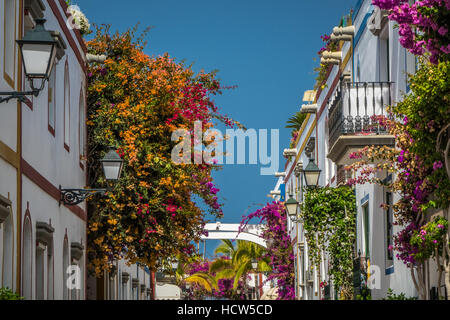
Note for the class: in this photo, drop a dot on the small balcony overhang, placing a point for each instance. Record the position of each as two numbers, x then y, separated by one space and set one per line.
354 115
345 145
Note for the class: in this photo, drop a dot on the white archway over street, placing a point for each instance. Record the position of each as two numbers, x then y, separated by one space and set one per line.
222 231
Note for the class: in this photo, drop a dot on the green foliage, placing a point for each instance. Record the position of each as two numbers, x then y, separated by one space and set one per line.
240 263
203 279
8 294
392 296
329 219
296 121
430 239
426 113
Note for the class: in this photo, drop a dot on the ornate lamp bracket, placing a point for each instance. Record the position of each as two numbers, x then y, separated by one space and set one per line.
72 197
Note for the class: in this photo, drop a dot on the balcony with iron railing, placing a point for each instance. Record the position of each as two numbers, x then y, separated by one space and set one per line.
353 118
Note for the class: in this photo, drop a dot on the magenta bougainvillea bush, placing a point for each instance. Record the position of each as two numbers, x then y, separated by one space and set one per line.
280 250
420 165
422 26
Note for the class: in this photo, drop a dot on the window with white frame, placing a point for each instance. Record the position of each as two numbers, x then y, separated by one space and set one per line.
51 101
366 229
66 107
135 293
40 270
75 292
410 66
50 280
111 286
8 251
389 228
9 38
124 291
384 72
27 260
82 125
65 269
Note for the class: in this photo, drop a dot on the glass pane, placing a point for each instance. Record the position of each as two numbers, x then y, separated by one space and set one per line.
111 170
366 230
40 274
9 33
66 106
81 125
51 99
36 58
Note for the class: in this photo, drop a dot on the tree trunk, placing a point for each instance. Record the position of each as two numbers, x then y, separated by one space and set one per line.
419 281
447 280
440 270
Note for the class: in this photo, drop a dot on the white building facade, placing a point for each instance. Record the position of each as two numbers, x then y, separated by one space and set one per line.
366 74
42 148
123 282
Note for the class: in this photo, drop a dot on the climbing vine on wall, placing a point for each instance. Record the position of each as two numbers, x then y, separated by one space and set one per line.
329 219
420 163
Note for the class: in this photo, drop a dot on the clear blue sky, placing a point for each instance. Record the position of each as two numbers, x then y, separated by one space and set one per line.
265 47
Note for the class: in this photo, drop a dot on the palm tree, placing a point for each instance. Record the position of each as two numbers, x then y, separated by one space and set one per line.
204 280
296 121
235 264
240 260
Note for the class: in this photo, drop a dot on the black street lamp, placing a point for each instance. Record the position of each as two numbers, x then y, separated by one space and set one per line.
254 264
311 174
292 208
38 49
112 167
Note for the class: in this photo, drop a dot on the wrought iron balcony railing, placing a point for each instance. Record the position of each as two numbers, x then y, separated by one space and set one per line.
357 107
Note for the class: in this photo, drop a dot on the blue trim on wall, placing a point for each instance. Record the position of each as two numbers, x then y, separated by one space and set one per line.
147 270
282 192
389 270
357 8
388 178
365 199
362 27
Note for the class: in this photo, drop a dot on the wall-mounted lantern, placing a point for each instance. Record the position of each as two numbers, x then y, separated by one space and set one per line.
38 49
292 208
312 174
112 168
254 264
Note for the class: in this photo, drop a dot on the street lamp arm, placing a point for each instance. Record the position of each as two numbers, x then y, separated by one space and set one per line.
18 95
72 197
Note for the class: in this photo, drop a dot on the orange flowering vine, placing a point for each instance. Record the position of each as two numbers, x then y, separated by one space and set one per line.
135 103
